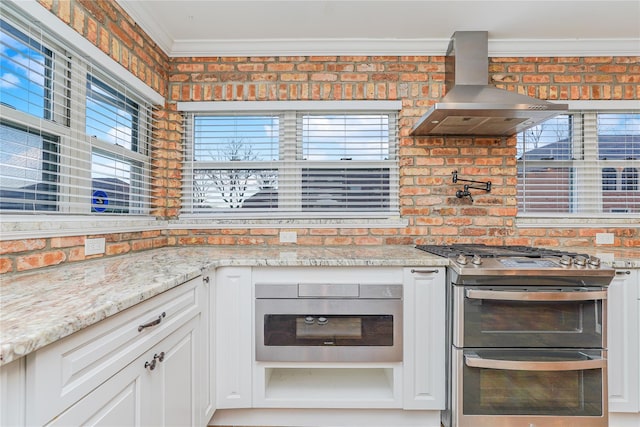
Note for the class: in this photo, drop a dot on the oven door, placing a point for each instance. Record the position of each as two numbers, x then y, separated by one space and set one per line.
329 330
508 317
524 388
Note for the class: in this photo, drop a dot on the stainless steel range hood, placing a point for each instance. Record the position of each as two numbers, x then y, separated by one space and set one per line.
473 107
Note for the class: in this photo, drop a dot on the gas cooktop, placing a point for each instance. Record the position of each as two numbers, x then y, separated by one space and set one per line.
480 261
485 251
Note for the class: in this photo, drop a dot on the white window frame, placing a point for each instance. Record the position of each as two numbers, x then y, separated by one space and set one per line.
289 109
589 183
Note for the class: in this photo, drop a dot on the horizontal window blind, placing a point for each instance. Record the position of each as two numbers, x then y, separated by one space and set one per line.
581 163
74 140
291 163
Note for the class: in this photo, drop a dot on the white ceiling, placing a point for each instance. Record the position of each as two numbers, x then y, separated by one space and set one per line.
387 27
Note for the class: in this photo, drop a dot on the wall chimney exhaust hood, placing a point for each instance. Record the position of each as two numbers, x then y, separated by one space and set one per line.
473 107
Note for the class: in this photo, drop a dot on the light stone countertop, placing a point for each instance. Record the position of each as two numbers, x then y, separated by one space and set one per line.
38 308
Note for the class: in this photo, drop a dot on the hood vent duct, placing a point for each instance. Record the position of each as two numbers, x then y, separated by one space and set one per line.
473 107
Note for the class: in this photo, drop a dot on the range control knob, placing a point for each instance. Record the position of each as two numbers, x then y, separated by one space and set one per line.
476 260
580 261
462 260
594 262
566 260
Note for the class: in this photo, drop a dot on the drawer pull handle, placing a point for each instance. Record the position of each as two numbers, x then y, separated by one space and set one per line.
152 323
413 270
150 365
619 273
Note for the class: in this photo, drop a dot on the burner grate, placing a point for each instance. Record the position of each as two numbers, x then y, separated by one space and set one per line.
486 251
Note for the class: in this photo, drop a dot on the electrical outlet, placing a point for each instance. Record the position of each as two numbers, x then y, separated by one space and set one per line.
288 237
94 246
604 238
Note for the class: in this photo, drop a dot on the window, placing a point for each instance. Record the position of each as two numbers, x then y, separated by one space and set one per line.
292 164
75 140
583 163
119 148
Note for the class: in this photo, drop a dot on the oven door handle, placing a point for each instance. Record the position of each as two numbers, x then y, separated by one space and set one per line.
535 296
475 361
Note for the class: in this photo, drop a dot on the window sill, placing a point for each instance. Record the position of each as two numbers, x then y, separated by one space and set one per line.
15 227
575 221
198 222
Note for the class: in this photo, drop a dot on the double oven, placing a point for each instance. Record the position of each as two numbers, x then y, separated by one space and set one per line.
526 339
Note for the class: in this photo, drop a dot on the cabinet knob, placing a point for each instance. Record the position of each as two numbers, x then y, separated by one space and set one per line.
159 357
150 365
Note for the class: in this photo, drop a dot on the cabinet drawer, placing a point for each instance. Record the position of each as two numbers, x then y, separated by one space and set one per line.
62 373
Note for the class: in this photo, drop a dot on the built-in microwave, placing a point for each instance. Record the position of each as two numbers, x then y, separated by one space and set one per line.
308 322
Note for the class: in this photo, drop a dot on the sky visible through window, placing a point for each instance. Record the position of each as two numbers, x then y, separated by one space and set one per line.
23 71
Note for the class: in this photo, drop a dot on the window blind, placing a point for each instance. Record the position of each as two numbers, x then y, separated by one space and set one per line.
74 140
291 163
583 163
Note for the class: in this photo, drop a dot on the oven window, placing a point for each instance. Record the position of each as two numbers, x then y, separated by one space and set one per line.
532 392
513 316
328 330
507 323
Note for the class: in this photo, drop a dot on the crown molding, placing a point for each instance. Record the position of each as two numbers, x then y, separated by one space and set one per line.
399 47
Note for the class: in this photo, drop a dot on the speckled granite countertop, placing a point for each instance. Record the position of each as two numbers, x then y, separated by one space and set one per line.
38 308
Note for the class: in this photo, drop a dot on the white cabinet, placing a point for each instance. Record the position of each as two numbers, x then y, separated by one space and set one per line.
623 342
234 337
424 338
157 389
140 367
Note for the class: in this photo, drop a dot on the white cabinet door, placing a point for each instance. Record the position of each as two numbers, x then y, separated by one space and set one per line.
117 402
173 390
622 338
234 337
424 338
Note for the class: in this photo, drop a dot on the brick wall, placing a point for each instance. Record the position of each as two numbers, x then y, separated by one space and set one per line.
427 195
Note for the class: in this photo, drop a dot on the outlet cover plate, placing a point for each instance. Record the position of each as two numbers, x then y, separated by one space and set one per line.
288 237
94 246
604 238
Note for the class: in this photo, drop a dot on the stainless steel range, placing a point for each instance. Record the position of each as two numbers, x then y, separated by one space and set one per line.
526 337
